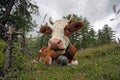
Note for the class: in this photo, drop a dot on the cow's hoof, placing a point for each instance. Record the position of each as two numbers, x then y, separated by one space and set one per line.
73 62
62 60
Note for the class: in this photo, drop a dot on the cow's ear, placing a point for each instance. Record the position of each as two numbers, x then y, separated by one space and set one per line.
75 25
45 30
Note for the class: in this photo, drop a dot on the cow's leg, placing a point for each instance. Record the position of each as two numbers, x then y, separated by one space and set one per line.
71 54
48 60
49 57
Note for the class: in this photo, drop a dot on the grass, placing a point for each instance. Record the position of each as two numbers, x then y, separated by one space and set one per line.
2 46
100 63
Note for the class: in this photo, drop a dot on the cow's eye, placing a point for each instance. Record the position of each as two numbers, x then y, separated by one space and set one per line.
66 31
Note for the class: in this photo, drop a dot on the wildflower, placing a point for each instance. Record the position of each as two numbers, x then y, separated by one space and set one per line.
96 64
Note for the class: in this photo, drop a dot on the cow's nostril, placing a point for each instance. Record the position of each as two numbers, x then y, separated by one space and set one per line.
59 42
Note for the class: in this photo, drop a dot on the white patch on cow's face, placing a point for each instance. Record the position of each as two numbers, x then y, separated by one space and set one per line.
58 32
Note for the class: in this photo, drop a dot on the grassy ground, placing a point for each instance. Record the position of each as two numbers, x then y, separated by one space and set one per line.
100 63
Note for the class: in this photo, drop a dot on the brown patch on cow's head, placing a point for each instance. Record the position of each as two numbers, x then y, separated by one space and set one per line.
66 31
72 27
45 30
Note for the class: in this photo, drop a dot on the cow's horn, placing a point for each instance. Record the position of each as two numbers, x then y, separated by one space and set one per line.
50 20
71 17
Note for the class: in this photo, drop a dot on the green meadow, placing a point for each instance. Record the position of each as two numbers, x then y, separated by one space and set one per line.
99 63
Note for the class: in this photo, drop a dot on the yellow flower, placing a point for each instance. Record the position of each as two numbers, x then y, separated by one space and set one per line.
96 64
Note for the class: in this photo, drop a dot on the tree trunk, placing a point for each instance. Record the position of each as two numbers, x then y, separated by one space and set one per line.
8 52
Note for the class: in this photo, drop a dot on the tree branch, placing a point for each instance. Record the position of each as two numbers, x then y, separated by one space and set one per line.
7 12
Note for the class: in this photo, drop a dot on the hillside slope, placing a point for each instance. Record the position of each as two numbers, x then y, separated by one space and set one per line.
100 63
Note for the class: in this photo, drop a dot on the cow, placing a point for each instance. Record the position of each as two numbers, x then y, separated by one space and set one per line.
59 43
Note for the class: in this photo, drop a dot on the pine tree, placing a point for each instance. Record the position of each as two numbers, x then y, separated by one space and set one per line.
108 34
92 35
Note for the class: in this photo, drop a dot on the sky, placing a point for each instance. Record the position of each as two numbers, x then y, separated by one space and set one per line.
98 12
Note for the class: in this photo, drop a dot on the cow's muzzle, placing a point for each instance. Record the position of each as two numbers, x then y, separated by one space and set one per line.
55 44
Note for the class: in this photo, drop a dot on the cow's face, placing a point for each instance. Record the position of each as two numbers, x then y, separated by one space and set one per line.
60 32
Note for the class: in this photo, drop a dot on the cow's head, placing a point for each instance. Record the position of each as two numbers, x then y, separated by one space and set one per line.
60 32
